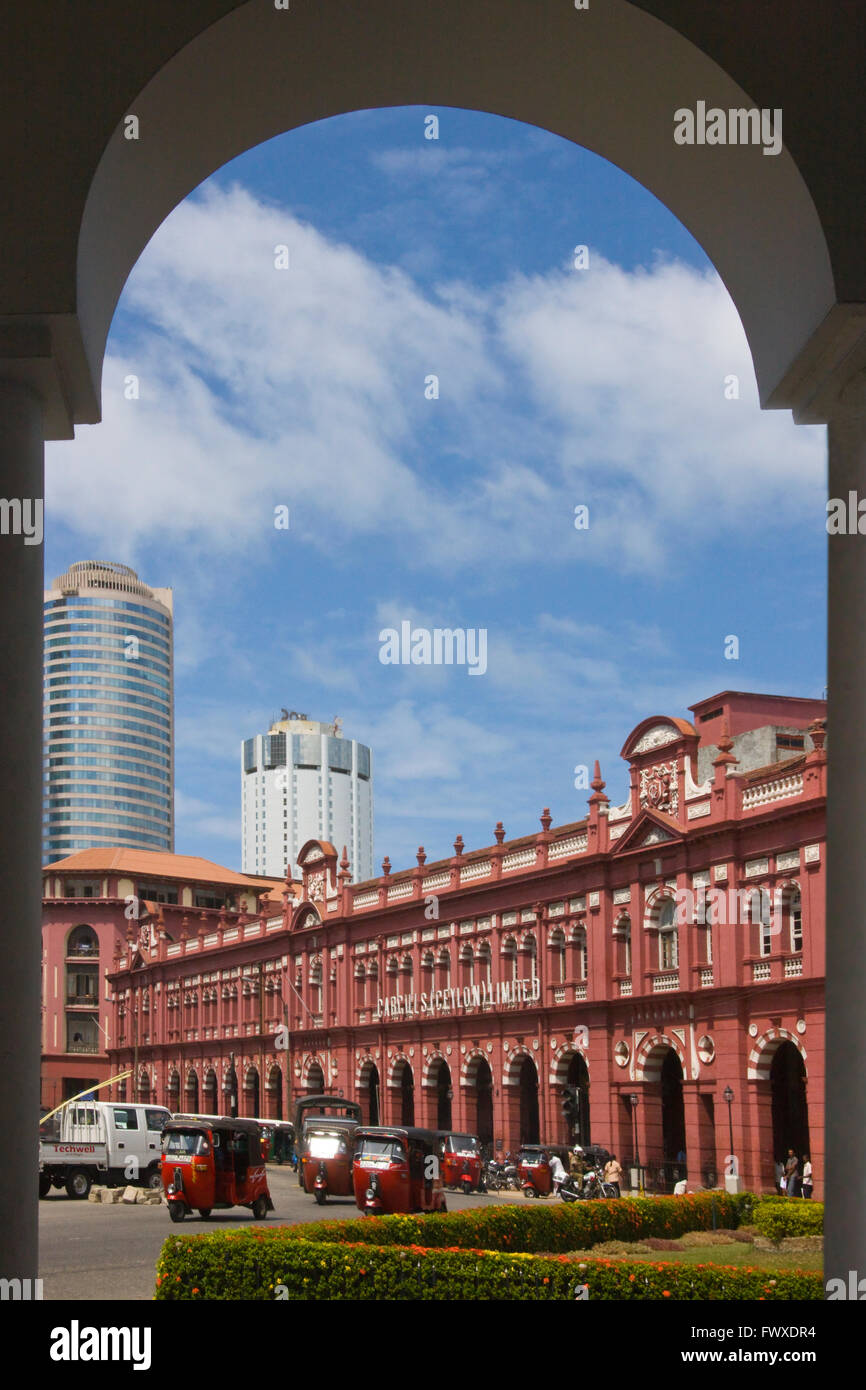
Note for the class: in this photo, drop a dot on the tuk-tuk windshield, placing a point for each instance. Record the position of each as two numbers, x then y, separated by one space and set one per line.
532 1157
391 1149
180 1142
326 1145
462 1144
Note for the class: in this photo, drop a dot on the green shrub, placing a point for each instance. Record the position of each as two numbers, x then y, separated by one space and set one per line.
778 1217
531 1228
249 1265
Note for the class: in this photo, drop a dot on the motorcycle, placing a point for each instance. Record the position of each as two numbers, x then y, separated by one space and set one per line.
501 1177
593 1186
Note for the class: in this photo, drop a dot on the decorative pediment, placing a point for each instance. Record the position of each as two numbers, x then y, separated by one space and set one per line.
649 828
659 731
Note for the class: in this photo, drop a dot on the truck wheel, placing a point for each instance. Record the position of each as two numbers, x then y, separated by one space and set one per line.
44 1184
154 1178
78 1184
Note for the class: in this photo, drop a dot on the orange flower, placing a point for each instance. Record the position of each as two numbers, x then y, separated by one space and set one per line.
665 1293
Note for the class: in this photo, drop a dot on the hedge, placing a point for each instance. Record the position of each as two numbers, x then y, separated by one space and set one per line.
254 1266
532 1227
778 1217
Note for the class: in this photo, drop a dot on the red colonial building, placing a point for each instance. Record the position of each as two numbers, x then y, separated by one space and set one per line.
91 901
664 958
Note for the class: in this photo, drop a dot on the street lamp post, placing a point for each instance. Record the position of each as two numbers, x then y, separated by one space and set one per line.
634 1100
732 1175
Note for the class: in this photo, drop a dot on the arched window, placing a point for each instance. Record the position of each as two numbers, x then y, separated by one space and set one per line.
443 969
467 963
316 985
83 942
622 933
529 951
556 946
406 972
760 914
668 939
360 985
485 963
509 953
578 942
793 911
428 965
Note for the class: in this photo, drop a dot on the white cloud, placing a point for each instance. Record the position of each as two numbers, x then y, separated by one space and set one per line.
305 387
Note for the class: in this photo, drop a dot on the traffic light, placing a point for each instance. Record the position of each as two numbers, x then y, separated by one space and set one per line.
571 1108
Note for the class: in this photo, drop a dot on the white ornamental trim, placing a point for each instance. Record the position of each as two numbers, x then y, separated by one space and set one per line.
400 890
698 810
788 859
576 844
520 859
366 899
657 737
753 867
622 895
622 812
720 873
479 870
436 881
812 854
779 790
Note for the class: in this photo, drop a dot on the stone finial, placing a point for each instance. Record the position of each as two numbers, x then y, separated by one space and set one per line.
458 846
499 832
421 857
726 743
817 732
344 874
386 867
547 819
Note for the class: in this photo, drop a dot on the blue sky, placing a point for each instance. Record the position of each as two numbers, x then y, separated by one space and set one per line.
305 387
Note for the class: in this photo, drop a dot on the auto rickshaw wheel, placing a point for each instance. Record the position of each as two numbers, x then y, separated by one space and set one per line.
177 1210
204 1213
260 1208
321 1197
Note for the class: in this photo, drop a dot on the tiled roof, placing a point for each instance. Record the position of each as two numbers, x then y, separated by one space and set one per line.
149 863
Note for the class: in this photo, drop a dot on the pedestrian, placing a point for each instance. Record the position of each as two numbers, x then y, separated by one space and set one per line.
557 1172
613 1174
807 1176
792 1174
780 1173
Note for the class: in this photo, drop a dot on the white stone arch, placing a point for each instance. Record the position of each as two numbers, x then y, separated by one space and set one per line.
561 1061
310 1060
396 1067
764 1050
653 905
430 1068
364 1066
471 1063
511 1070
650 1056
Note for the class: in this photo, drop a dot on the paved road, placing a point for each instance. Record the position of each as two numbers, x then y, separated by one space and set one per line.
92 1251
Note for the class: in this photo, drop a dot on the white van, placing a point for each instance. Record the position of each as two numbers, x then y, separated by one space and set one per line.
108 1142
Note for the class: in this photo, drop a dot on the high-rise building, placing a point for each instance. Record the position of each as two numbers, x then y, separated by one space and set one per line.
303 781
109 712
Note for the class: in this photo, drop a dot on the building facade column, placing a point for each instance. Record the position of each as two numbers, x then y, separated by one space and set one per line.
845 1232
21 582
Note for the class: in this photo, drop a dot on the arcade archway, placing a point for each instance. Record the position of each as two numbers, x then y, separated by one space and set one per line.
790 1106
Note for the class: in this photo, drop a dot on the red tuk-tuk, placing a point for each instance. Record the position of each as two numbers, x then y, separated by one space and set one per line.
310 1108
214 1163
533 1167
462 1164
326 1163
397 1170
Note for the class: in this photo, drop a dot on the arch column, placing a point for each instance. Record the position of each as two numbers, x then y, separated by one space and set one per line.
21 583
846 863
